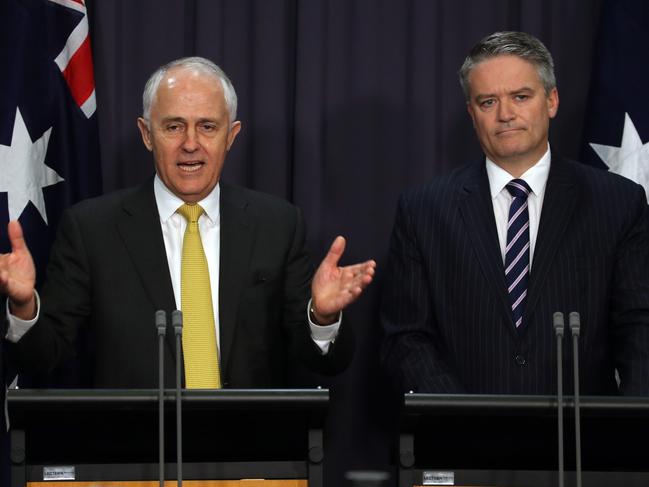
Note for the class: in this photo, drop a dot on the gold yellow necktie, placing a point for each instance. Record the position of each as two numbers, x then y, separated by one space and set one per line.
199 335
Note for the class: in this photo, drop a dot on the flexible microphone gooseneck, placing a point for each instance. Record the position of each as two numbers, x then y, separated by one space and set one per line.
558 322
575 323
161 326
177 322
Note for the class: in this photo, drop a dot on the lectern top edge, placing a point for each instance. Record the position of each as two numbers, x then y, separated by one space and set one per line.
421 403
312 399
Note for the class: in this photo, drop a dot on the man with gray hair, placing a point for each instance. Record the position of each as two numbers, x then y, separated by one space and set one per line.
233 260
482 258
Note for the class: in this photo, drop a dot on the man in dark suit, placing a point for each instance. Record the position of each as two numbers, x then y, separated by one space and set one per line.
481 259
119 258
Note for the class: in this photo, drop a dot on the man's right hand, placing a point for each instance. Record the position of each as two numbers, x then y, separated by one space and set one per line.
18 275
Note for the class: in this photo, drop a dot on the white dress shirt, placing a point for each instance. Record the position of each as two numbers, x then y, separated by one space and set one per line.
209 226
173 231
536 177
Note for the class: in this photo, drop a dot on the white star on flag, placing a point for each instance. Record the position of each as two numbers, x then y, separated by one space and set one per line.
631 159
23 173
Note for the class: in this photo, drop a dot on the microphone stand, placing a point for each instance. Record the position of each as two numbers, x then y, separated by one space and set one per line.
161 326
574 328
177 321
558 323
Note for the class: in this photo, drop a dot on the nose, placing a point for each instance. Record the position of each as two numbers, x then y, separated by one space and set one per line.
190 142
506 111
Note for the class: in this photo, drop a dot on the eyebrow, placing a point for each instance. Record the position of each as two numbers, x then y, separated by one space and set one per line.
184 120
211 120
524 89
173 119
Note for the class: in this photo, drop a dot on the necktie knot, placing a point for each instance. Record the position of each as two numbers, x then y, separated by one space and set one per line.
518 188
191 212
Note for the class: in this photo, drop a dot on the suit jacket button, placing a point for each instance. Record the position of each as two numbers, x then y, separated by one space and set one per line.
520 360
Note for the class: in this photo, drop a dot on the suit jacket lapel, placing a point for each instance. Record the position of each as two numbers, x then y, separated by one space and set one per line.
139 227
477 212
561 196
236 242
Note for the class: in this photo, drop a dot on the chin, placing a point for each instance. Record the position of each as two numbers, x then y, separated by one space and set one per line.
512 151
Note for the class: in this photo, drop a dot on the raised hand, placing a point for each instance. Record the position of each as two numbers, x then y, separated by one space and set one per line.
18 274
333 287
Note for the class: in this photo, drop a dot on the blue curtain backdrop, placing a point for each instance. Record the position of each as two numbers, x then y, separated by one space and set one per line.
344 104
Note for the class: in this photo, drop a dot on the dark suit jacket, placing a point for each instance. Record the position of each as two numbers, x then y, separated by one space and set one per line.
108 272
445 308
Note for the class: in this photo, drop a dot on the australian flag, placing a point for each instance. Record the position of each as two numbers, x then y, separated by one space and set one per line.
49 151
617 120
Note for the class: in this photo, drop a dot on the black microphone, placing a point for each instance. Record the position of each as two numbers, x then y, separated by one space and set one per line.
558 322
177 322
574 328
161 325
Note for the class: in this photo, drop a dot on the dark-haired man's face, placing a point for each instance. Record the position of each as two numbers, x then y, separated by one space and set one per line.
511 112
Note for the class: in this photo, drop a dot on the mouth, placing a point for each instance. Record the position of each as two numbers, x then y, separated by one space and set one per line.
509 130
190 166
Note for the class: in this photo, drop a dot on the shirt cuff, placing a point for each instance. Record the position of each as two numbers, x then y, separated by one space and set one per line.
17 327
323 336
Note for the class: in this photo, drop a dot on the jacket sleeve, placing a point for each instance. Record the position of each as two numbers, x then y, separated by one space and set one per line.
411 353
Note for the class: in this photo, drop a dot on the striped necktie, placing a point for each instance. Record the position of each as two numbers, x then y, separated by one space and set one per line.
200 350
517 251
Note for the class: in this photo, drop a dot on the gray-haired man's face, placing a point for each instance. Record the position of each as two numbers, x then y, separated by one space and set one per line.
511 111
189 133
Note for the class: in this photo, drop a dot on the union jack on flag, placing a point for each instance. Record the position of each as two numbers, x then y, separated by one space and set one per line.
75 61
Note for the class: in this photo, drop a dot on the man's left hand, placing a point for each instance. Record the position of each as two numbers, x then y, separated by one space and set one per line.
333 287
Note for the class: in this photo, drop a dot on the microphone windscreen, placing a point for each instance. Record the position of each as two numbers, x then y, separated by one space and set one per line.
161 321
574 322
557 320
177 320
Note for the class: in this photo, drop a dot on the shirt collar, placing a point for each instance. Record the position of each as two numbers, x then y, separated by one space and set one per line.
536 176
168 202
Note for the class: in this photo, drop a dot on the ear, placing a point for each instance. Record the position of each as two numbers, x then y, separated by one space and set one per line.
233 132
145 132
553 102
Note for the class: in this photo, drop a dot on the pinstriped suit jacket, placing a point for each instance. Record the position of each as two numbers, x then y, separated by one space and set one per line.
445 310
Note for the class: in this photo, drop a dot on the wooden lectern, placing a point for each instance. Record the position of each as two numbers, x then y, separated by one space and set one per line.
231 438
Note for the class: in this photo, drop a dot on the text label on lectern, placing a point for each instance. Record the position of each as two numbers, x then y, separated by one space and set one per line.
438 478
58 473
